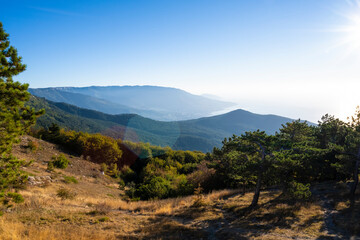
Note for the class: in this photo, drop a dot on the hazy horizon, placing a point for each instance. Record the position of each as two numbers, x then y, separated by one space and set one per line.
294 59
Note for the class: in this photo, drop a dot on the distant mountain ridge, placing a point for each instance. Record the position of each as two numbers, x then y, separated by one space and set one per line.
160 103
199 134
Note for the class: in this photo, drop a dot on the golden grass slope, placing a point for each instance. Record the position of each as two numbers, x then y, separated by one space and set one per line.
97 210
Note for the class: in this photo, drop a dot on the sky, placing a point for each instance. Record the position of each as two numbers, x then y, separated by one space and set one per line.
299 59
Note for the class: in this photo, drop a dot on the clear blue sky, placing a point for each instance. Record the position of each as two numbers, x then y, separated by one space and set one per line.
293 58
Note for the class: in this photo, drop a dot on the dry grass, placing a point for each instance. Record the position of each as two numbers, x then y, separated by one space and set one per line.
98 211
10 230
45 216
276 216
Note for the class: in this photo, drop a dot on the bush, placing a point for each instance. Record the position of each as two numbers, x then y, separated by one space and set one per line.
103 167
121 184
15 197
130 190
198 199
50 166
104 219
101 209
32 145
127 174
299 191
65 193
156 187
101 149
180 186
70 179
113 170
60 161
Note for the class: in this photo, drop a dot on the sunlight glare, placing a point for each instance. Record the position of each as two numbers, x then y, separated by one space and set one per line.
351 30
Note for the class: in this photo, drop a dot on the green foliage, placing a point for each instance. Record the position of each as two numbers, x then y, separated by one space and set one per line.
10 174
104 219
113 170
299 191
11 197
162 178
93 147
198 197
60 161
70 179
132 162
235 169
288 158
121 184
103 167
15 197
297 155
33 145
15 118
127 174
65 193
101 149
155 187
294 157
130 190
50 166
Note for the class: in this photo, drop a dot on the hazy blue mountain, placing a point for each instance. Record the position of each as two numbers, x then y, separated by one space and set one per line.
85 101
160 103
239 121
200 134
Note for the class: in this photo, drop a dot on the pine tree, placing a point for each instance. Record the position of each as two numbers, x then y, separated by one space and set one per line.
15 118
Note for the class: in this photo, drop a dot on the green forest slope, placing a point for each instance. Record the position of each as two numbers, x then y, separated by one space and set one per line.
199 134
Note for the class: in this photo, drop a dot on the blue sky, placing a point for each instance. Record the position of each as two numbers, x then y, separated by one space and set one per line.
293 58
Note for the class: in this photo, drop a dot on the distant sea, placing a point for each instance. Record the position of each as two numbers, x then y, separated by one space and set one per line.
225 110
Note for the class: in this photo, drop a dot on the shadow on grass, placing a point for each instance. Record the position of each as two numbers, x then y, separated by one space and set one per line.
271 218
341 220
168 228
277 213
249 222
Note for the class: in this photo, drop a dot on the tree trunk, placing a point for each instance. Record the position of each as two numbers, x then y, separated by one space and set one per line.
356 180
259 180
257 191
356 175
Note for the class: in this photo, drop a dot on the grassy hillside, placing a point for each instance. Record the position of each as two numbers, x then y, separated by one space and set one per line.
200 134
95 209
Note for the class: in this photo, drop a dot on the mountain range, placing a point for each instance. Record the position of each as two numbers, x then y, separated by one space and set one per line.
198 134
159 103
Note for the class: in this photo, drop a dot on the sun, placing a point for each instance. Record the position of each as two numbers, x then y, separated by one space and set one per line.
351 29
352 32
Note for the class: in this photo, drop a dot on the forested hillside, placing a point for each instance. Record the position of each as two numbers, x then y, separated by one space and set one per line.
200 134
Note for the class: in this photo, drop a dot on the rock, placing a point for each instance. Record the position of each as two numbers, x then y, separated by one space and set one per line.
38 180
31 178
